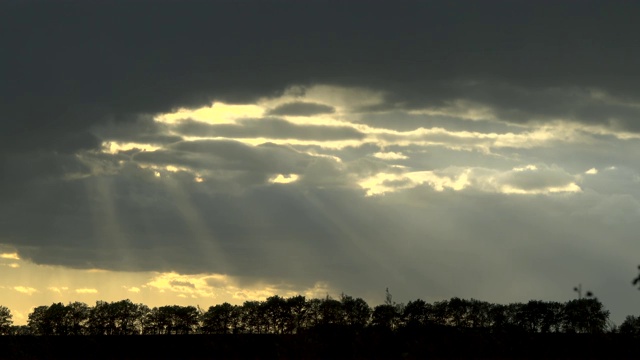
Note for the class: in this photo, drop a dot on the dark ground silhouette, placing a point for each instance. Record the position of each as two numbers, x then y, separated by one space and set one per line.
329 344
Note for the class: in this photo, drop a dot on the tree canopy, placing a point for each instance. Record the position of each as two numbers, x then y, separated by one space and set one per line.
279 315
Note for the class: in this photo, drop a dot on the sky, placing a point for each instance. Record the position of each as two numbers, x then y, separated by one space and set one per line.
194 153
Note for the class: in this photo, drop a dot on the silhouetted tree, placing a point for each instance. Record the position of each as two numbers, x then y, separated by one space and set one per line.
630 325
357 312
297 306
38 322
553 317
167 319
220 319
20 330
276 312
514 320
101 319
417 313
143 319
506 317
49 320
251 317
153 322
498 317
314 314
440 312
457 312
76 317
186 319
116 318
389 314
56 319
5 320
125 317
57 313
585 316
278 315
172 319
385 316
531 316
331 312
478 315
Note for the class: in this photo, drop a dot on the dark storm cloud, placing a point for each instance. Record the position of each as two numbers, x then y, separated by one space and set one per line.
438 157
536 179
70 66
595 152
22 174
217 155
141 129
182 283
301 109
403 121
269 232
519 104
270 128
451 139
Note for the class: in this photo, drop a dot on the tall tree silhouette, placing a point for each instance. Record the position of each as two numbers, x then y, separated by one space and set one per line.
478 316
5 320
389 314
585 316
45 320
76 317
252 318
220 319
417 313
276 314
630 325
457 312
331 312
357 312
297 306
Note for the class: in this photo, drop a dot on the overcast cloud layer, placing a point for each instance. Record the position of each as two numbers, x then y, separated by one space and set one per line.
474 149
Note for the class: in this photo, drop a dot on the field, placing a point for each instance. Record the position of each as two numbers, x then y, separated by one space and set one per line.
323 345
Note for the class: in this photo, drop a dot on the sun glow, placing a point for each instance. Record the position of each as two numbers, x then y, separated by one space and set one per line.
114 147
570 188
32 285
284 179
86 291
387 182
217 113
11 256
25 289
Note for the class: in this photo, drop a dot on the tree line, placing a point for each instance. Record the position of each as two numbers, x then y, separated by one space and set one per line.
279 315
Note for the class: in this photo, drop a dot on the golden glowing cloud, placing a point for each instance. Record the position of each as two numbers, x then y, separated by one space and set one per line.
25 289
217 113
113 147
86 291
12 256
387 182
570 188
390 155
284 179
